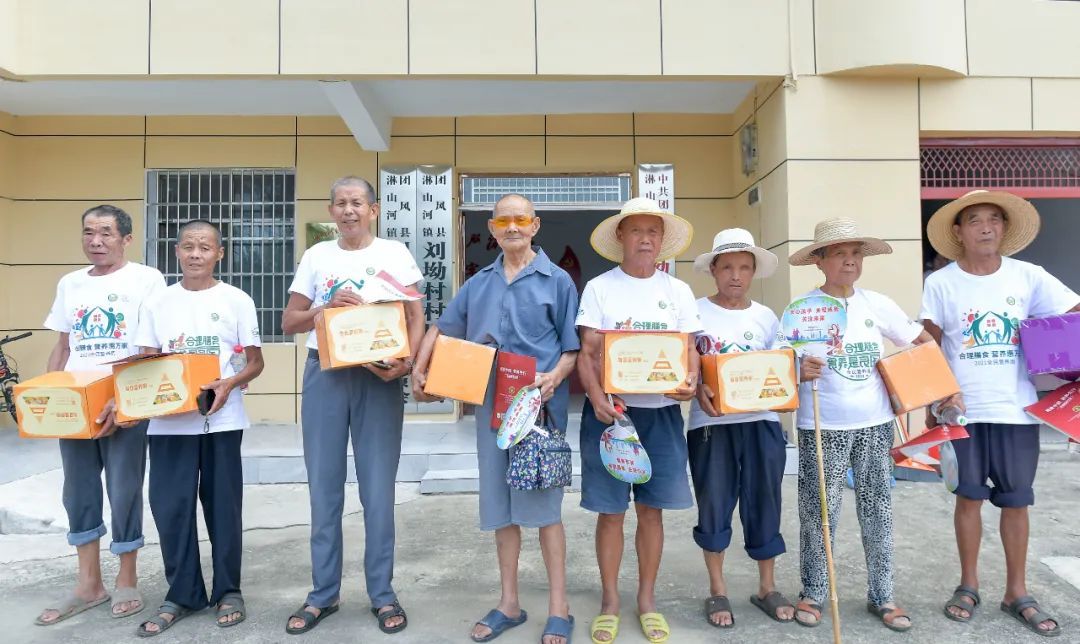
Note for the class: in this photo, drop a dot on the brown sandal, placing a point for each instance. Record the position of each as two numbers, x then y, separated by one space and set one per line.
889 616
807 606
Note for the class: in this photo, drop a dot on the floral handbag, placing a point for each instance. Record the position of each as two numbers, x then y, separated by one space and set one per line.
542 459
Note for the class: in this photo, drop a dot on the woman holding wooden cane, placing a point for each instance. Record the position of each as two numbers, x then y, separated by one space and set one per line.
856 421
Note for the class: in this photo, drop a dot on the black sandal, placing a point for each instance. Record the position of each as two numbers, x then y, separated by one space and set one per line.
235 602
1020 604
395 611
957 601
177 611
718 604
311 620
772 602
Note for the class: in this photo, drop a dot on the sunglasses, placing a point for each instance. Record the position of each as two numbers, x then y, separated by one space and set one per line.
521 221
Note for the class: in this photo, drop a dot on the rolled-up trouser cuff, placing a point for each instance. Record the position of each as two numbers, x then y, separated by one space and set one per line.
1013 499
774 548
973 492
82 538
713 541
124 547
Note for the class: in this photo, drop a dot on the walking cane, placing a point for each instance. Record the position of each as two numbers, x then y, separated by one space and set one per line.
834 602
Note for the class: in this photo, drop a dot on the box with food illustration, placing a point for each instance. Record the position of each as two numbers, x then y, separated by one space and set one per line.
355 335
751 381
644 362
62 404
161 384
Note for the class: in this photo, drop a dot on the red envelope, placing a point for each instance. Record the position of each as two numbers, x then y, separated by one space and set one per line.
1060 409
512 372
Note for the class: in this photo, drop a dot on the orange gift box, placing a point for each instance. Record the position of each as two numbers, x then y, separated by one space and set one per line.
161 384
353 335
460 370
751 381
917 377
644 362
62 404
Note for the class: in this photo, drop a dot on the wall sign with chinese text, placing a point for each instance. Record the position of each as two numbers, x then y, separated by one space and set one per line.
657 182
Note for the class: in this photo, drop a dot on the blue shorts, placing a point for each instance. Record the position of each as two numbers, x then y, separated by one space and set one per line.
1007 455
661 433
743 464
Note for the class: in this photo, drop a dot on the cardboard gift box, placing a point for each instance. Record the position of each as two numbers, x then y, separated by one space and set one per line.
644 362
751 381
353 335
62 404
161 384
460 370
917 377
1051 344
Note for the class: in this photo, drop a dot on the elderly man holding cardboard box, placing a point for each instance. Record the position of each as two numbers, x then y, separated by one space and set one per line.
364 402
630 297
97 312
525 304
973 308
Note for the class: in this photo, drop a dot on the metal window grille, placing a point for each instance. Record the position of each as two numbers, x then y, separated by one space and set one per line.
1047 168
256 211
549 192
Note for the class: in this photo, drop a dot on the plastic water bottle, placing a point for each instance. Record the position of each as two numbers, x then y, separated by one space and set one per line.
238 360
948 415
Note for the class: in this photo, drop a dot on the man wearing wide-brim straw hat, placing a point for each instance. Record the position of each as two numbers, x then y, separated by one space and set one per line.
856 422
635 296
973 308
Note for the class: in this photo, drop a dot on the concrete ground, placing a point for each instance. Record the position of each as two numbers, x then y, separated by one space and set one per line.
446 574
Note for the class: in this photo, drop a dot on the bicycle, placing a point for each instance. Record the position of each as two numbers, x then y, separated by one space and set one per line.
9 376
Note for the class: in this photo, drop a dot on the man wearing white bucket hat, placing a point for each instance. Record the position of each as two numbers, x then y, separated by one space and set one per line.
737 458
856 419
973 308
634 295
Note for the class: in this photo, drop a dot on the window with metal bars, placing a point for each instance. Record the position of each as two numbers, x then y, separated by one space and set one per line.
256 211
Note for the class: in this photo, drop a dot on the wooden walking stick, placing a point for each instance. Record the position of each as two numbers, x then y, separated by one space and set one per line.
834 601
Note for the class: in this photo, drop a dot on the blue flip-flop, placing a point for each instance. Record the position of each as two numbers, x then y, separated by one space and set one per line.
499 623
558 627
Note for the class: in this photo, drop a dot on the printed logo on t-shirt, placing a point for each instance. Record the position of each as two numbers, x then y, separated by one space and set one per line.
113 297
334 284
708 344
854 360
869 323
662 304
630 324
201 344
990 338
98 332
370 270
214 317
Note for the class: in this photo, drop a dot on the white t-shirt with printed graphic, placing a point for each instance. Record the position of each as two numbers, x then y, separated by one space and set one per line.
979 316
101 313
617 301
212 322
733 331
851 393
326 267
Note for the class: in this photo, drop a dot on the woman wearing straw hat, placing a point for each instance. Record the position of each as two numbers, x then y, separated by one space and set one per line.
737 458
972 308
634 295
856 420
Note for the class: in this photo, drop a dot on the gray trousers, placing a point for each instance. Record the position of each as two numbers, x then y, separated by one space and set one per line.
338 404
866 451
122 457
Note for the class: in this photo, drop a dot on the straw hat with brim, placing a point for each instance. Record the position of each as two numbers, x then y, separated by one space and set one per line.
839 230
677 231
737 240
1020 230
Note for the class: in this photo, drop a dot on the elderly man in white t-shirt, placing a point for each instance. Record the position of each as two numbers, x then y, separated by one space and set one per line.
973 308
856 419
363 403
97 313
635 295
